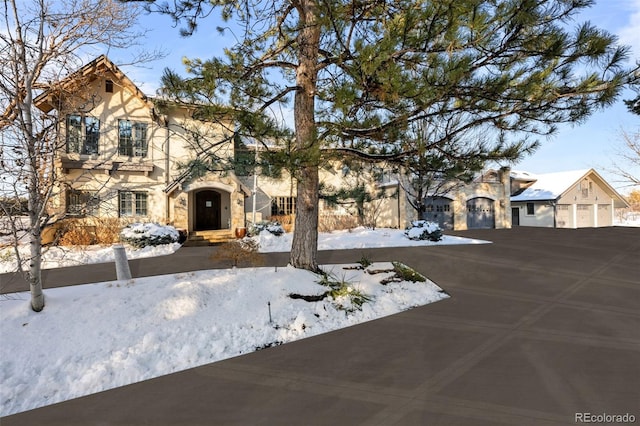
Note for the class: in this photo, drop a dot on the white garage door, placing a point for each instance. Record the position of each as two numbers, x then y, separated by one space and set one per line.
563 216
604 215
585 215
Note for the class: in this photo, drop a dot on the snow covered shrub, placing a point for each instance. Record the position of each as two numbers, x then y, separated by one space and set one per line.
148 234
424 230
274 228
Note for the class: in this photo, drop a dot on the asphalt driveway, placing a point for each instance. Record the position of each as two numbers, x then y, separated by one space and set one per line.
542 325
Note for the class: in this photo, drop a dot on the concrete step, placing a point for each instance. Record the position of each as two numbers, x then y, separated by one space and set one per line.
207 238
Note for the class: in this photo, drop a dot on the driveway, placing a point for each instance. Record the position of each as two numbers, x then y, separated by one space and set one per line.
542 325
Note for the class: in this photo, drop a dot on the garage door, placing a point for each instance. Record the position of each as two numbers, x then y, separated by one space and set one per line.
604 215
563 216
584 215
439 210
480 213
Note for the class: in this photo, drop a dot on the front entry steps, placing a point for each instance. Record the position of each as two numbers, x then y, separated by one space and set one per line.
208 238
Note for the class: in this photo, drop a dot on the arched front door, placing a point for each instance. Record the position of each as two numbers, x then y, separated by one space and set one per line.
208 208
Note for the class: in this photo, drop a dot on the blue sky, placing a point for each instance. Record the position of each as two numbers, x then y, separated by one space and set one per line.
592 144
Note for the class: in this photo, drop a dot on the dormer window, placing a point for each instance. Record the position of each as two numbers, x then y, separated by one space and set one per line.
108 86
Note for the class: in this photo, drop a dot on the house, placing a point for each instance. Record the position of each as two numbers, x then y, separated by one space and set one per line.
118 153
573 199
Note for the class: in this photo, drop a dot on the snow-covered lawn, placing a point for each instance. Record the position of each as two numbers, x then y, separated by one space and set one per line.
98 336
357 238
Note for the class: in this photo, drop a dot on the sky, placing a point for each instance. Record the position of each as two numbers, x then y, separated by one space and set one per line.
592 144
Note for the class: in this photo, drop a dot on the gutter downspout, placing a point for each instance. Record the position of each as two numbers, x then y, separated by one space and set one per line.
166 167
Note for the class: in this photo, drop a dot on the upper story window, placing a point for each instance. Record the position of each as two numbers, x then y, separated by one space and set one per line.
132 138
586 188
108 86
83 134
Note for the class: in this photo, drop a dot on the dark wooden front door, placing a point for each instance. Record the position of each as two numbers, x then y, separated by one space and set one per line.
515 216
207 210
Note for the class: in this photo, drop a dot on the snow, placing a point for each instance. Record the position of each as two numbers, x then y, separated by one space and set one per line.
550 186
357 238
57 257
95 337
149 230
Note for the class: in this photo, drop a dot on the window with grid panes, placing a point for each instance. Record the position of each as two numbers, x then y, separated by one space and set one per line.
132 138
83 134
132 203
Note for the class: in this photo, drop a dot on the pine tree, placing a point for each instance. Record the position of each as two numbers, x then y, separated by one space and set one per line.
488 75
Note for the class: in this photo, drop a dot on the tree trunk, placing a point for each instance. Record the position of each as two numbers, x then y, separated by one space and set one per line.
304 249
35 271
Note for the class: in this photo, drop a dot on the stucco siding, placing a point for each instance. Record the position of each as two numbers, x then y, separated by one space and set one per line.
543 214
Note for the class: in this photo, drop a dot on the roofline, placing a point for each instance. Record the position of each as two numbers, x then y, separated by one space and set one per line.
89 68
612 189
563 193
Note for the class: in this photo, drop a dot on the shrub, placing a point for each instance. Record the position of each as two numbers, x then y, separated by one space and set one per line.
274 228
239 251
345 296
148 234
108 230
424 230
78 235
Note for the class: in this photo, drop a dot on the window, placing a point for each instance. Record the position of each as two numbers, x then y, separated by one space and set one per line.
108 86
132 203
132 138
531 209
83 134
283 206
586 188
82 203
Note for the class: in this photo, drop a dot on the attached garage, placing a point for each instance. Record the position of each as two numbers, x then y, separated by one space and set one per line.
480 213
439 210
580 199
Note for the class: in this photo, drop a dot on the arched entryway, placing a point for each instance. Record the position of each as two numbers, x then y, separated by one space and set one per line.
480 213
208 210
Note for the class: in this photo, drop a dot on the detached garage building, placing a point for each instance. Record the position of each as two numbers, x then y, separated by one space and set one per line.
576 199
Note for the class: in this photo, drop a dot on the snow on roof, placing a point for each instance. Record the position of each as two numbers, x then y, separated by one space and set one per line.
550 186
522 175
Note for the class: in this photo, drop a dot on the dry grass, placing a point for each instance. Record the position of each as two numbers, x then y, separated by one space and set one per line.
238 252
328 223
82 232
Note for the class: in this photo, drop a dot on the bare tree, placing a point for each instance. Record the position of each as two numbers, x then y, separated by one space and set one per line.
42 41
627 164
